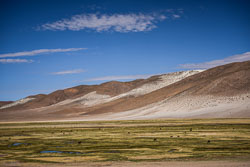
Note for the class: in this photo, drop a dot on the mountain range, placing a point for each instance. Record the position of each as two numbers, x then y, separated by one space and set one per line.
219 92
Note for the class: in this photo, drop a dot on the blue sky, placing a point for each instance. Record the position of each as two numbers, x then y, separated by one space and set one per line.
46 45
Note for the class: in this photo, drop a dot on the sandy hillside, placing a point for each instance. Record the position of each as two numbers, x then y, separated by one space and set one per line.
223 91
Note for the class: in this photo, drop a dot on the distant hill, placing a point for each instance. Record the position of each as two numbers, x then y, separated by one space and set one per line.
223 91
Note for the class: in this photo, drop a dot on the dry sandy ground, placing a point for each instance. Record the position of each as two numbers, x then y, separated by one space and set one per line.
192 107
184 107
138 164
176 107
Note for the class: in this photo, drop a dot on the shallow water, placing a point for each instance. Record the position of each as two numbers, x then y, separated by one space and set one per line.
51 151
67 152
18 144
172 150
112 151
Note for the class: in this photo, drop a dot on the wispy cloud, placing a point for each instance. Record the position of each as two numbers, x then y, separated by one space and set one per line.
76 71
39 51
176 16
210 64
122 77
15 61
104 22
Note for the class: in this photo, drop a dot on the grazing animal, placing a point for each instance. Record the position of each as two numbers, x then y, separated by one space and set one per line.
190 129
208 141
79 142
155 139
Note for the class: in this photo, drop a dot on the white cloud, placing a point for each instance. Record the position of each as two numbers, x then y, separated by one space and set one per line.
39 51
210 64
176 16
15 61
104 22
68 72
122 77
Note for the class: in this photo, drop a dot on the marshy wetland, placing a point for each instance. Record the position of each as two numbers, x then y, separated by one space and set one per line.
140 140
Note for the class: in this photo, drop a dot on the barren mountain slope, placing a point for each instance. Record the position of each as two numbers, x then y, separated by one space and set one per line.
227 80
2 103
89 95
45 107
223 91
109 88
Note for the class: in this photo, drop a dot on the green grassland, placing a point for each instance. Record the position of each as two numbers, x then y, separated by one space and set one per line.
141 140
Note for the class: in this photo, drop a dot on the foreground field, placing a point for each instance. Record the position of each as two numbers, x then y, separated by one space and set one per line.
151 140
